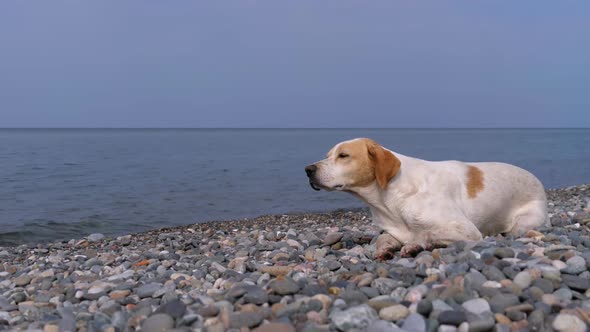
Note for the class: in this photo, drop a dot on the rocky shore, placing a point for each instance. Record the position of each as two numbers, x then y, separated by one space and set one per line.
308 272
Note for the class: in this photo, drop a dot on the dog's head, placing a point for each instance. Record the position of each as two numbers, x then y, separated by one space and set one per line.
353 164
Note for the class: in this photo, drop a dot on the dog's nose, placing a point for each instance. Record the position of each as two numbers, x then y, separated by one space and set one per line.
310 170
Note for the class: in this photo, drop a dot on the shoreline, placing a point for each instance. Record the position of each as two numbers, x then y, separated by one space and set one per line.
258 218
302 272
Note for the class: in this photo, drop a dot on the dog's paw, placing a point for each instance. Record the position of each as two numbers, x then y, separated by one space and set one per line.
385 247
411 250
435 245
385 254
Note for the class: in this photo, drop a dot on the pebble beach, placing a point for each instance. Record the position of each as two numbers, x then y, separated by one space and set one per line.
303 272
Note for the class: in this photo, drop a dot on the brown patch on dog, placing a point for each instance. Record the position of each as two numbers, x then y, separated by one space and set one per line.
474 181
386 164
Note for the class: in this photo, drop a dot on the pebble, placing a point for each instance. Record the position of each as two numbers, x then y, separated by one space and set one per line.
499 302
174 308
424 307
447 328
358 317
22 280
382 326
568 323
275 327
477 306
523 279
95 237
148 290
284 286
414 323
158 323
482 323
245 319
332 238
504 252
452 317
394 313
575 282
575 265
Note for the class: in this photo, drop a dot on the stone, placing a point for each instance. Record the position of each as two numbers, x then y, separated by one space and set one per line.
550 273
414 323
245 319
477 306
22 280
543 284
493 273
385 285
394 313
381 302
68 320
452 317
523 280
482 323
95 237
447 328
568 323
332 238
382 326
158 323
275 327
499 302
575 282
209 311
440 305
255 295
563 294
536 320
147 290
358 317
515 315
575 265
174 308
424 307
504 252
284 286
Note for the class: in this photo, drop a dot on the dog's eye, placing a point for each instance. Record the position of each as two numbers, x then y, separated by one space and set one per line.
342 155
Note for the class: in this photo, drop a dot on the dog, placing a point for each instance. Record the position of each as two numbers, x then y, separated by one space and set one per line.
424 204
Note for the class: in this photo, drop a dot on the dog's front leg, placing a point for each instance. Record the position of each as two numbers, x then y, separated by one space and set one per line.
450 232
386 246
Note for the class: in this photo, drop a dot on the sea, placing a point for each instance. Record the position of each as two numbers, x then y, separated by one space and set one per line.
59 184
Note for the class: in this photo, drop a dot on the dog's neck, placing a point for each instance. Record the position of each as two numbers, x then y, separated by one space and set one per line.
386 203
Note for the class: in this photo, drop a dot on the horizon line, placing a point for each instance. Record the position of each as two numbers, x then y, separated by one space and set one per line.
274 128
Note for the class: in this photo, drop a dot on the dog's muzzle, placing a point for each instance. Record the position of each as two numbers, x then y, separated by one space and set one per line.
310 171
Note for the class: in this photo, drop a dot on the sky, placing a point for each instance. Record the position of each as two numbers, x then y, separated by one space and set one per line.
305 64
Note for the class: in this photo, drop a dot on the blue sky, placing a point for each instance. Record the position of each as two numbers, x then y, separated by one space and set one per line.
295 64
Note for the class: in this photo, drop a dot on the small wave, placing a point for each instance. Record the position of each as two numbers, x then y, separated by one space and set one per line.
15 238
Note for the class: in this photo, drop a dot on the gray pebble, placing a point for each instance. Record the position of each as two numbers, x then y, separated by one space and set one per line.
245 319
452 317
284 286
95 237
414 323
148 290
501 301
158 323
358 317
332 238
477 306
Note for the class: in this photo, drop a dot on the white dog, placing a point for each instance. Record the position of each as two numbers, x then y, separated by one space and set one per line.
424 204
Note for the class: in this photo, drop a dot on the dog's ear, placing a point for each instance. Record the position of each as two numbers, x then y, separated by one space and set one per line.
386 164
